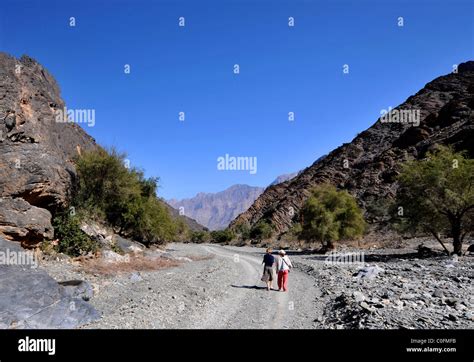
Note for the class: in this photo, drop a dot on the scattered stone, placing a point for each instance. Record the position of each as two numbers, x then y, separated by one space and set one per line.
110 256
135 277
358 296
407 296
368 272
451 301
452 317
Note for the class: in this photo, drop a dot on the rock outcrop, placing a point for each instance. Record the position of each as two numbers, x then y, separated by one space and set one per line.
31 299
19 220
36 151
367 166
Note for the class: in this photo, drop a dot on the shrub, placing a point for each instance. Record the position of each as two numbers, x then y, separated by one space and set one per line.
123 197
222 236
243 230
72 240
330 215
200 237
262 230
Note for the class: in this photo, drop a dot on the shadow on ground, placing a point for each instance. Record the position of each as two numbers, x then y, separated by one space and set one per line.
248 287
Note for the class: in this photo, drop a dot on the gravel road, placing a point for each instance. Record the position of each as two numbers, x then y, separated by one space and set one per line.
222 289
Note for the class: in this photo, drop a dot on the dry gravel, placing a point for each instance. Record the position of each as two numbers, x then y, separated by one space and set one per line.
223 290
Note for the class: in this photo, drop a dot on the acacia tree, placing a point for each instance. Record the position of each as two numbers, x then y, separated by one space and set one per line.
330 215
436 196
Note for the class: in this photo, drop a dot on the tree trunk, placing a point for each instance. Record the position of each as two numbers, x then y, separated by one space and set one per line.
330 245
457 240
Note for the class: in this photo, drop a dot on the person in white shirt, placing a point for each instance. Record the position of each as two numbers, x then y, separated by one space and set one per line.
283 268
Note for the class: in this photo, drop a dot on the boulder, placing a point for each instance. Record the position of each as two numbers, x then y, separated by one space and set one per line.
128 246
31 299
368 272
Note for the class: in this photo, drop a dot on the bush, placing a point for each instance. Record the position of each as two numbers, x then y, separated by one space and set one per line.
262 230
200 237
330 215
123 197
243 230
436 196
72 240
222 236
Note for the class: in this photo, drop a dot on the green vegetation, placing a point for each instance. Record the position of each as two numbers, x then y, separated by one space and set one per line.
436 196
243 231
261 231
330 215
119 196
200 237
72 240
222 236
123 197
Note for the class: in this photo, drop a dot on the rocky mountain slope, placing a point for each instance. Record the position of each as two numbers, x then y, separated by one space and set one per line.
367 166
283 178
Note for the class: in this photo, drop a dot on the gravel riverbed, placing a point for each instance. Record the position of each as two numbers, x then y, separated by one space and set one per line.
221 288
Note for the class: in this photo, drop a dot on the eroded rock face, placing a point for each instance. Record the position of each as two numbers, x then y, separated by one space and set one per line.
367 166
30 298
23 222
36 151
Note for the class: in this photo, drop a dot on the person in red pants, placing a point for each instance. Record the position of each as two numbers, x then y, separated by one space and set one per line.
283 267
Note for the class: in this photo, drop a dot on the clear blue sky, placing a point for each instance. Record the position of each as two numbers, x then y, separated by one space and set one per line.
282 69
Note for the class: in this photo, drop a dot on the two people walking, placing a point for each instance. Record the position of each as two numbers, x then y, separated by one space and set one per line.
283 267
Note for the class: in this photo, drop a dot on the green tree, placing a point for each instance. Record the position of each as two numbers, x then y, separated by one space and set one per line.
436 196
330 215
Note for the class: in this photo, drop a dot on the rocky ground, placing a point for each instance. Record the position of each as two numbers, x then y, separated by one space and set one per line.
221 288
395 288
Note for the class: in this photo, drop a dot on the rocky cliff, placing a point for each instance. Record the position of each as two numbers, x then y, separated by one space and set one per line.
367 166
36 151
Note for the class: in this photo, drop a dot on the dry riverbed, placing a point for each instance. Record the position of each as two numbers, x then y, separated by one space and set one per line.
220 287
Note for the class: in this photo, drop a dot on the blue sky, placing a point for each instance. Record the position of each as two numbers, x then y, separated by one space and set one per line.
190 69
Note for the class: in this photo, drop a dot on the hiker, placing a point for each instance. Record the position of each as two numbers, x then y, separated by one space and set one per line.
283 268
268 260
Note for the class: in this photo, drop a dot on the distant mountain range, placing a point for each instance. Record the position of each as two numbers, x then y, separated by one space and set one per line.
216 210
